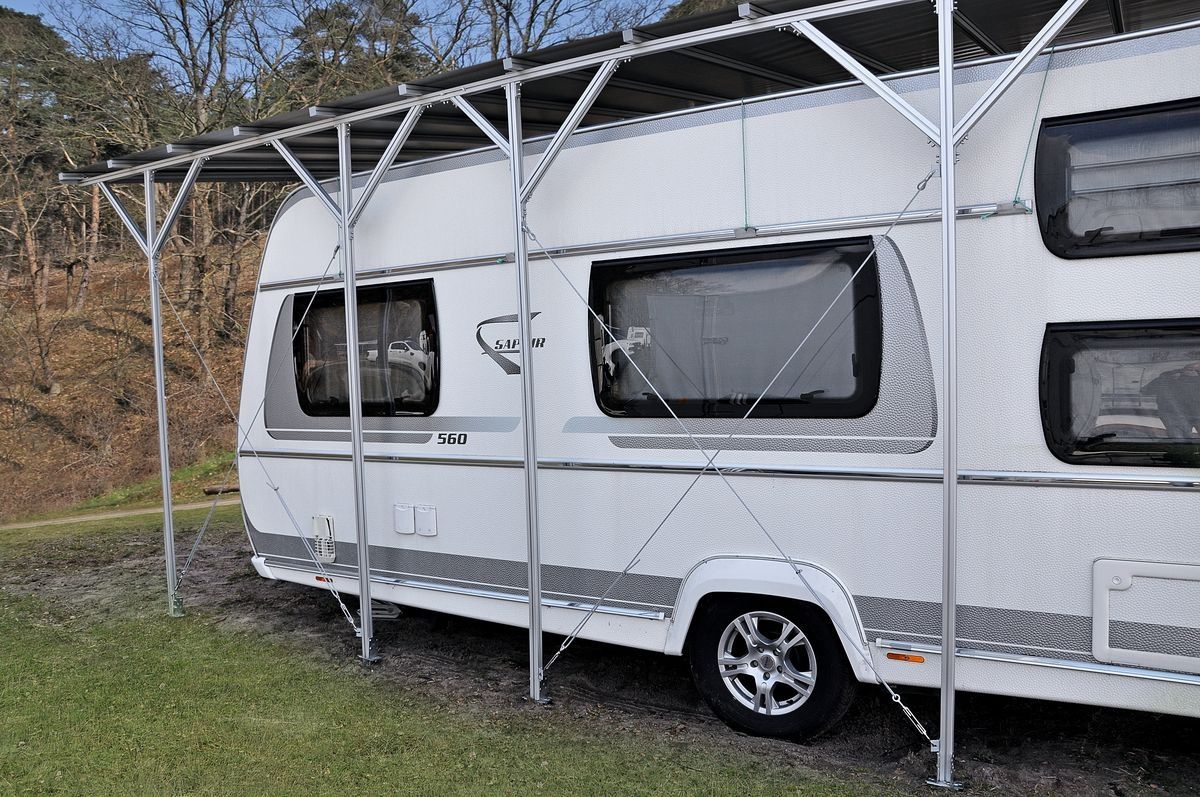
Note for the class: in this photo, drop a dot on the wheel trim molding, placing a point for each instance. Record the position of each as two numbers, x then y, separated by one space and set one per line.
766 663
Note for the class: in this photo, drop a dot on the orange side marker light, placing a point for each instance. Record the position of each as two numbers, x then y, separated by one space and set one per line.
912 658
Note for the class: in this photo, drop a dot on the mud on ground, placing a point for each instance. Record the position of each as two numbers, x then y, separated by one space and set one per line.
1005 746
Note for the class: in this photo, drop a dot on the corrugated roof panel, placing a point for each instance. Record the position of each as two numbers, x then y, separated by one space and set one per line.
899 38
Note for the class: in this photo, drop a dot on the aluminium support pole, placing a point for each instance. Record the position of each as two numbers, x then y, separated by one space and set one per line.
174 604
516 161
354 389
946 149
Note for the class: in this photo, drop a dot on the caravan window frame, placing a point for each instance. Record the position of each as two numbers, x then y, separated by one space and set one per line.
1053 172
1060 346
304 309
864 297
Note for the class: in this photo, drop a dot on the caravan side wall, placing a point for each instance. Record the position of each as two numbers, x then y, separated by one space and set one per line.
857 500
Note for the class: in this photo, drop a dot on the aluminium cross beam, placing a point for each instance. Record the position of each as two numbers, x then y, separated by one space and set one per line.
522 189
952 134
947 137
346 211
947 153
151 240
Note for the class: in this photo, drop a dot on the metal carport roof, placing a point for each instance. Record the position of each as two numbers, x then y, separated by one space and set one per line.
887 41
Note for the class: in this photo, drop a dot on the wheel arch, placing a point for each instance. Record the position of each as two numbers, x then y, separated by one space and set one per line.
740 575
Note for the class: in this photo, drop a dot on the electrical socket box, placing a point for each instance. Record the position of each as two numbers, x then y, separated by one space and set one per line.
426 520
403 519
324 545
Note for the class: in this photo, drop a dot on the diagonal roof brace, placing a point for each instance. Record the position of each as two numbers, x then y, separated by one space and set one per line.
151 238
1015 69
852 65
599 80
385 162
485 126
181 196
123 214
310 182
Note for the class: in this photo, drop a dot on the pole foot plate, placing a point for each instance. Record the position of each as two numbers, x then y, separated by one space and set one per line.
948 785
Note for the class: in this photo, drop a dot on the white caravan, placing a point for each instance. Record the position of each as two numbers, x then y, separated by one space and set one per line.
714 244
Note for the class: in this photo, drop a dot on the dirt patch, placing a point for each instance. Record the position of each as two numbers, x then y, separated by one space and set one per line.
1007 746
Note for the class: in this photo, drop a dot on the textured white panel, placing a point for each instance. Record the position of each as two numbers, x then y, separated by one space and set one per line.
1165 601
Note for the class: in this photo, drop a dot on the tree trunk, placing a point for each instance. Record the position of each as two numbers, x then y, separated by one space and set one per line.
229 298
202 258
90 254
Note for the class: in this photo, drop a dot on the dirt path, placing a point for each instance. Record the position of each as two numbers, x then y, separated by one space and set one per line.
1006 746
113 515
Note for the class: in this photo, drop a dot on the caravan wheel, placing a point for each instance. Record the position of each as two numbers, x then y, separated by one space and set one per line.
770 667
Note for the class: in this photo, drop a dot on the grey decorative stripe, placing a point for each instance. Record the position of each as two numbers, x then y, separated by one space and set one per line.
1018 631
501 575
843 445
1171 639
344 437
452 423
983 623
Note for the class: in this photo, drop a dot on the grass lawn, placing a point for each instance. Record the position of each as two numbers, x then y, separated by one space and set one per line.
136 703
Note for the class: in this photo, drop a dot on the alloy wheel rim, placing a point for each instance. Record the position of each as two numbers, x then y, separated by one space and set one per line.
767 663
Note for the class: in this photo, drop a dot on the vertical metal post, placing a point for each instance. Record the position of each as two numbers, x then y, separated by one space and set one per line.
516 161
354 384
174 604
947 148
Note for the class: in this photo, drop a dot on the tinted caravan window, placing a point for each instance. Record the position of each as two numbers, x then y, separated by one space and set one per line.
1120 182
1123 393
711 330
397 350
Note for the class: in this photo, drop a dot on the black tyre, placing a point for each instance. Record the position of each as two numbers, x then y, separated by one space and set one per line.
770 667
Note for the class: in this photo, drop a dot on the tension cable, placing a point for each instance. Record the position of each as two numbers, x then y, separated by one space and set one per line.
710 462
245 435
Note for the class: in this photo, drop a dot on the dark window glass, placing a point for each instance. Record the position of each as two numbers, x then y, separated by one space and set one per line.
712 330
1123 393
1121 182
397 350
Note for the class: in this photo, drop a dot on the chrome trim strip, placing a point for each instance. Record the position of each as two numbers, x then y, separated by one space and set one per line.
678 239
1123 481
1040 661
390 271
1015 645
643 614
